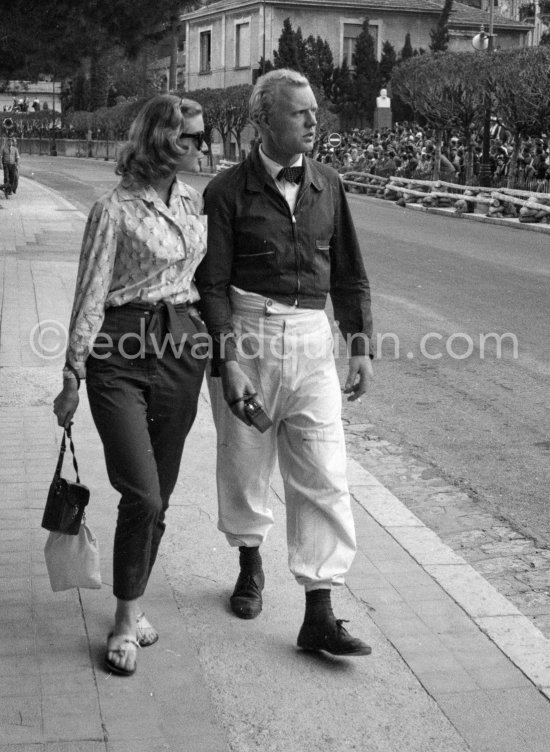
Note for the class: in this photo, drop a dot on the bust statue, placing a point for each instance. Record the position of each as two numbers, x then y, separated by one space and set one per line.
383 100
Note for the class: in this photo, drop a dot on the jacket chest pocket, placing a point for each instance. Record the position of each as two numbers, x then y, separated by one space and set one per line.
255 264
262 252
321 266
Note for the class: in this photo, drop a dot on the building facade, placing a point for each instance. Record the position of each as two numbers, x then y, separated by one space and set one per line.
226 40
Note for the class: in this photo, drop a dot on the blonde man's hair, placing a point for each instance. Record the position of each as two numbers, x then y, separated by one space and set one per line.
266 88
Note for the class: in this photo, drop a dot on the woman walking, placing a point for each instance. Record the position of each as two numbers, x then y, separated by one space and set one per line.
134 336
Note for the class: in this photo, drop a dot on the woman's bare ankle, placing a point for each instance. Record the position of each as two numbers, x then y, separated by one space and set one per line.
126 617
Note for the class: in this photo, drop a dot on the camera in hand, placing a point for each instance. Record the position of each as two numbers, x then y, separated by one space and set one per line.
257 415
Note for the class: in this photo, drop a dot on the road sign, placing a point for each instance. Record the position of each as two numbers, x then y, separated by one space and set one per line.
335 139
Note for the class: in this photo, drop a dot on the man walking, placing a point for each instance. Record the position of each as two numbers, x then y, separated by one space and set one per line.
10 164
280 238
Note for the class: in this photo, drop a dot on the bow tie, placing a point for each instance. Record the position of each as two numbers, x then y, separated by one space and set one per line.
291 174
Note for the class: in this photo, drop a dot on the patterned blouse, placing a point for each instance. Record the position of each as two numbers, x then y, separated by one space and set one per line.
135 248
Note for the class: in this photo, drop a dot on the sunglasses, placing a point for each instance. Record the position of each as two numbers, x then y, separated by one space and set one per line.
197 137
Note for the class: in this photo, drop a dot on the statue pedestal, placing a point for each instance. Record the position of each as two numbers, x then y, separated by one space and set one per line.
382 118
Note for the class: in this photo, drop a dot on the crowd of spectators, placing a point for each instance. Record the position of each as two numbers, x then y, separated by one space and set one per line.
408 150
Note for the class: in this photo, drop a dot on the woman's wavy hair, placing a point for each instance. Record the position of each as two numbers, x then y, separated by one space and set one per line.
152 150
266 88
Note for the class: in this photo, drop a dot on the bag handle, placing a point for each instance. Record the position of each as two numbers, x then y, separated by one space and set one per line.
71 444
66 432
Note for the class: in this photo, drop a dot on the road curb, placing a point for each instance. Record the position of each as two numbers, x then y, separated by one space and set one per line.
54 196
515 635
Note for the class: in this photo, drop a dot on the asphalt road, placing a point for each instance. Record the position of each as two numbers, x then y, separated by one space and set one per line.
445 293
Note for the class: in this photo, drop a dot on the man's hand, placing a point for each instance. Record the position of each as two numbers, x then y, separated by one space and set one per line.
66 402
360 371
236 387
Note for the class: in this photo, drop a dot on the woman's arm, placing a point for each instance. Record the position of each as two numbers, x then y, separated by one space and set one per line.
92 286
95 271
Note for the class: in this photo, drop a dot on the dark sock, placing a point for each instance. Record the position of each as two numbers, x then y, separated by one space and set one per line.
250 559
318 606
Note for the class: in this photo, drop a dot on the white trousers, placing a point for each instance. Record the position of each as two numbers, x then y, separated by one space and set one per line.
287 353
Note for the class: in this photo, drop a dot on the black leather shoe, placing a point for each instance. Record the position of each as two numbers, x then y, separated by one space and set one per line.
332 637
246 601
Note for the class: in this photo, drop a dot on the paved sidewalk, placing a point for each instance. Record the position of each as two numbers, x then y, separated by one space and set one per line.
455 665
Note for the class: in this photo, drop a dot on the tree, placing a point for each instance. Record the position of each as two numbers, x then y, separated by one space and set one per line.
367 73
318 63
291 52
446 89
59 38
99 82
135 24
440 35
343 95
64 32
519 82
238 98
312 57
264 66
388 60
407 51
78 98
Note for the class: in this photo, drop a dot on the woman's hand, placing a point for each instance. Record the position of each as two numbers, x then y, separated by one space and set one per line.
66 402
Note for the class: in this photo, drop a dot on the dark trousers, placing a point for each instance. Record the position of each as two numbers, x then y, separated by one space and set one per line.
11 176
143 408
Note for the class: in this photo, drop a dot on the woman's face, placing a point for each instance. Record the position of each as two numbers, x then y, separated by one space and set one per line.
189 161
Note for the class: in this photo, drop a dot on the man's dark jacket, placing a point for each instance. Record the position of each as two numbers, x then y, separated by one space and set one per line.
257 244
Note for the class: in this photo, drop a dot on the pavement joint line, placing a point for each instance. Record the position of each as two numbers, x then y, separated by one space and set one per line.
513 633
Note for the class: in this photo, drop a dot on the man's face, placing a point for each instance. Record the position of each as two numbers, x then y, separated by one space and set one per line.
289 129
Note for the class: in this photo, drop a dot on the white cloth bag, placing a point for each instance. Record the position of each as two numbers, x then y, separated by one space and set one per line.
73 560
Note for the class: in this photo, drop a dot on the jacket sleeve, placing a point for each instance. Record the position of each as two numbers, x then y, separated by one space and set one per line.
213 275
349 284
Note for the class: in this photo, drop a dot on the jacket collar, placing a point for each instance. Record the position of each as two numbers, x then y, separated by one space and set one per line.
257 176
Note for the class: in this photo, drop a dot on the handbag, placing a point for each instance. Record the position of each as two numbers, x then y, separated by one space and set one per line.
66 500
73 560
71 550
